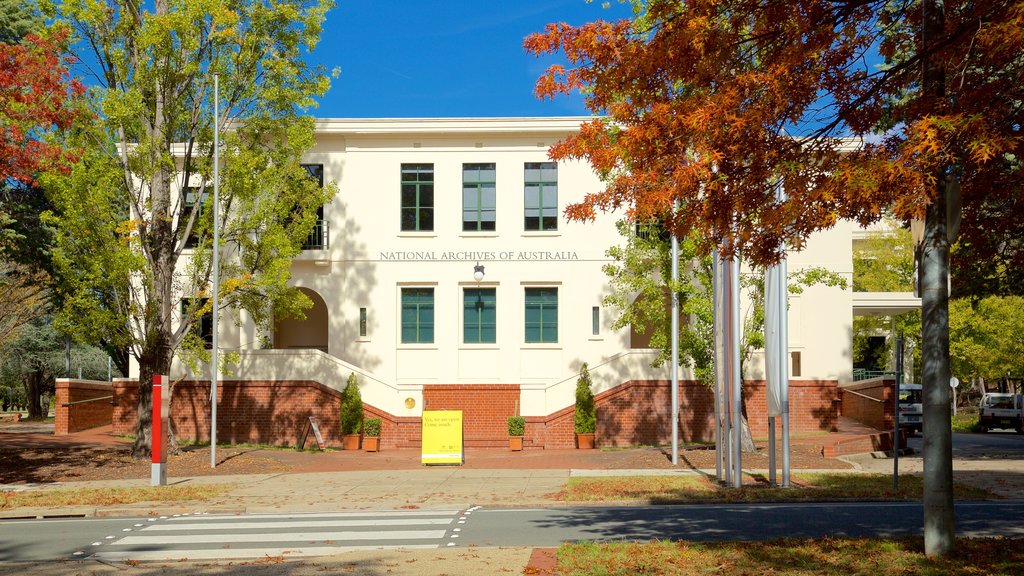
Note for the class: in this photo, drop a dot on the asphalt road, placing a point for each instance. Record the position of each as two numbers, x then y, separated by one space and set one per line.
997 444
223 537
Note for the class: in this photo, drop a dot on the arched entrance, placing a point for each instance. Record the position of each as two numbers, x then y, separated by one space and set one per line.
293 333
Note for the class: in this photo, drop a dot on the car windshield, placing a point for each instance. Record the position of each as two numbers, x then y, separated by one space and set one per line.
910 396
999 402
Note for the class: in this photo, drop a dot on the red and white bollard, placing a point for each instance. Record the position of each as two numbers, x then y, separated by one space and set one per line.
161 414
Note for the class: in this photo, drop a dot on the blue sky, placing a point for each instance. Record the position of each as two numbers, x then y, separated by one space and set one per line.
453 58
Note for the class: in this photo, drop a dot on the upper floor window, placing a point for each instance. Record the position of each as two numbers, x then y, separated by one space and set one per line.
203 327
417 315
319 238
418 197
194 201
541 315
478 197
479 315
540 196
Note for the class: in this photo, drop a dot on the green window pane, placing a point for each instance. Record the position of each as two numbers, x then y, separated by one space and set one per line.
540 196
417 195
479 315
417 315
541 315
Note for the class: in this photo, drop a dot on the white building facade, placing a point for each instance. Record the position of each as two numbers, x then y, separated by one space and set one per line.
445 263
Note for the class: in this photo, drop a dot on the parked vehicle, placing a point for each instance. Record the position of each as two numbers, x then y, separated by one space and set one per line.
1002 410
911 410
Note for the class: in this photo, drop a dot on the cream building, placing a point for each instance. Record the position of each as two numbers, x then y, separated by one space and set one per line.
445 260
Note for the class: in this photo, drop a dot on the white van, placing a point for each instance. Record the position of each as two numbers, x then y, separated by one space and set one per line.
911 409
1000 410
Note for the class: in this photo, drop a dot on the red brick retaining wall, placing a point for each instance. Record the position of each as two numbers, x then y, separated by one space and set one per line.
83 416
634 413
878 415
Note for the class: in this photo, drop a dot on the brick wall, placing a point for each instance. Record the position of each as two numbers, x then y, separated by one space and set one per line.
83 416
640 411
485 410
634 413
877 411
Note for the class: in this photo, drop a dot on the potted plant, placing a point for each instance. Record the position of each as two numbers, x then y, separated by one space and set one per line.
584 420
516 429
371 432
351 414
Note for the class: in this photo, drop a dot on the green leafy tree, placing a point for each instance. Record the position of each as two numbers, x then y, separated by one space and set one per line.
18 18
984 338
584 418
37 356
134 216
351 407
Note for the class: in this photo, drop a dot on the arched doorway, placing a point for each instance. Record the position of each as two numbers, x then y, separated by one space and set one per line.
293 333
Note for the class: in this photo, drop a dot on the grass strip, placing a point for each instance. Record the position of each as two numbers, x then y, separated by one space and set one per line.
816 557
805 487
109 496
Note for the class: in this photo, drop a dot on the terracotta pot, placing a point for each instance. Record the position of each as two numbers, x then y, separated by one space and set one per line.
350 442
515 443
371 443
585 441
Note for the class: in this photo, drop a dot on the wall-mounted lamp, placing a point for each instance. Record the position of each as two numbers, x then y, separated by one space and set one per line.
478 272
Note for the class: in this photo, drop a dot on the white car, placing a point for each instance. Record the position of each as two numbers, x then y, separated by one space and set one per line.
1000 410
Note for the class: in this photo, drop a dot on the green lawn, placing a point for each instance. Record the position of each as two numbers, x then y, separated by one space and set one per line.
820 557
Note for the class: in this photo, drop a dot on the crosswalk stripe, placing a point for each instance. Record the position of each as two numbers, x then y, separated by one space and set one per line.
282 537
295 524
362 513
233 553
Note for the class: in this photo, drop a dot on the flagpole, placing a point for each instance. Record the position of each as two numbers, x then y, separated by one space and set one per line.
216 270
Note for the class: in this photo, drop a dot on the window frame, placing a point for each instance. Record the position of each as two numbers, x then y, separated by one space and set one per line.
545 307
402 323
481 188
541 183
419 208
478 321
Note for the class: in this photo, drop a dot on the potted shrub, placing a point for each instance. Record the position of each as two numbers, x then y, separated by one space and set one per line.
516 429
351 414
371 434
584 420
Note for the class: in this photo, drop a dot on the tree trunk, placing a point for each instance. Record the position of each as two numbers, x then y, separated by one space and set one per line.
160 245
34 389
939 528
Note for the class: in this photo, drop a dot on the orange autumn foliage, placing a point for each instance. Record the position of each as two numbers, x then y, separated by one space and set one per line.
37 95
711 102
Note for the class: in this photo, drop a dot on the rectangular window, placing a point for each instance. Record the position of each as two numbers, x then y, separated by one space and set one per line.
541 315
418 197
479 316
540 196
417 315
203 327
595 320
362 321
796 369
479 203
200 227
319 237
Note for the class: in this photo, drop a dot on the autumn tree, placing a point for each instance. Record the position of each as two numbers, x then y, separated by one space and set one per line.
135 215
711 103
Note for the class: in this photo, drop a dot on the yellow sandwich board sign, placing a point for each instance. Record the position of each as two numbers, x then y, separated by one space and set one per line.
442 437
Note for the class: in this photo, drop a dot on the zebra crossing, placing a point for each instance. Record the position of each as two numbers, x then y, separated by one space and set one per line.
216 537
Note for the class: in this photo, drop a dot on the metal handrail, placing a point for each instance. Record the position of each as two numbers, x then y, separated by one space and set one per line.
67 404
873 399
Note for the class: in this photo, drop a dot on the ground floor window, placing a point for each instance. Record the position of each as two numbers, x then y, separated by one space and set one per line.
479 316
541 315
417 315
